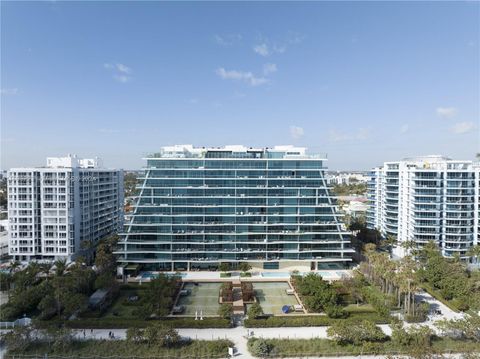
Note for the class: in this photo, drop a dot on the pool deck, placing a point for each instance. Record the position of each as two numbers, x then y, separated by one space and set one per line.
200 276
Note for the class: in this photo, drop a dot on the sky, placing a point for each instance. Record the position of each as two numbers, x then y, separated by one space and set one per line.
363 82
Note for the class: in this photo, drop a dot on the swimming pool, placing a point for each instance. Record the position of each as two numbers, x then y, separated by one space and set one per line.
287 274
152 275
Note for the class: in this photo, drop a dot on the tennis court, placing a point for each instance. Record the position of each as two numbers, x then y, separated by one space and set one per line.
202 297
272 296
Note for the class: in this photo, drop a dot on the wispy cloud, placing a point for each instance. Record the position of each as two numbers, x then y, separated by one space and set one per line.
405 128
9 91
261 49
361 134
463 127
266 50
121 73
264 47
227 40
446 112
296 132
247 77
269 69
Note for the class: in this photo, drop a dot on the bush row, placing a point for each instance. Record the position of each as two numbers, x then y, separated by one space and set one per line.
452 304
310 321
124 323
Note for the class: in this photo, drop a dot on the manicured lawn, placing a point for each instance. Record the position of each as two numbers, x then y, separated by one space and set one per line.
120 308
122 349
325 347
362 308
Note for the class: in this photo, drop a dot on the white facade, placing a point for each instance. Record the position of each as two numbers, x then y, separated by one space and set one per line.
431 198
338 178
53 209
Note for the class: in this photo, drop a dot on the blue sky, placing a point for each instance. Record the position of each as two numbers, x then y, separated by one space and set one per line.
365 82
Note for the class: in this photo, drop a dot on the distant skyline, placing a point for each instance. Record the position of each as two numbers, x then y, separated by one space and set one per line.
364 82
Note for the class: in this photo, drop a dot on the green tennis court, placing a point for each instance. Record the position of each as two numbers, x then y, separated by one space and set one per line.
272 296
202 297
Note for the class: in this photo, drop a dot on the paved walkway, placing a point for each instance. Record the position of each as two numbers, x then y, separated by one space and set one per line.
239 335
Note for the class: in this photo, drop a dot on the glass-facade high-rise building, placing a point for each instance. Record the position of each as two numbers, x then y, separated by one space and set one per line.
198 207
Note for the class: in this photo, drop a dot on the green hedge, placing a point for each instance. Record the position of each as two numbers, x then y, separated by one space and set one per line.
449 303
124 323
122 349
310 321
285 348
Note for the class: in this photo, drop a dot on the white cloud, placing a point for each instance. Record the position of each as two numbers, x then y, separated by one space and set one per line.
463 127
361 135
123 68
262 49
266 48
269 69
235 75
9 91
227 40
121 72
404 129
296 132
446 112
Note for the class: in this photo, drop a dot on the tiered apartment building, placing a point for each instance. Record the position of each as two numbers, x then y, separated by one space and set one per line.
52 210
270 207
431 198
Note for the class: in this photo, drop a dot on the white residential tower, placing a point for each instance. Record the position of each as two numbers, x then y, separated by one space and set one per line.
431 198
52 210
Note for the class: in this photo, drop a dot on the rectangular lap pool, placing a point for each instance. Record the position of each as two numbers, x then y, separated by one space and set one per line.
152 275
326 275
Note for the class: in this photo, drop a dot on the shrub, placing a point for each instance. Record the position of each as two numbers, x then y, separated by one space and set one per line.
346 332
255 311
259 347
336 311
225 311
421 312
309 321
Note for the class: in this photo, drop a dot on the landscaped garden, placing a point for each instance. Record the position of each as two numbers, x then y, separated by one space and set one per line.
349 337
156 340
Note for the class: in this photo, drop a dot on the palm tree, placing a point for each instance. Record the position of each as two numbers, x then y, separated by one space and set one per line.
474 252
14 265
410 247
389 243
408 283
87 248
